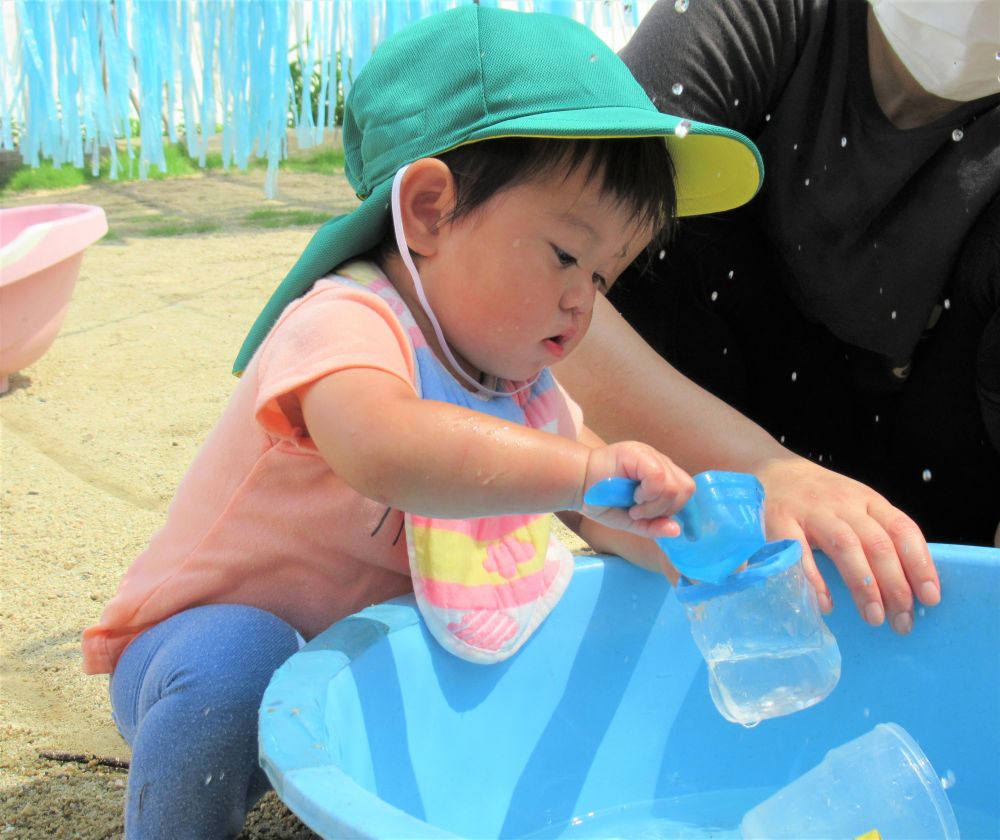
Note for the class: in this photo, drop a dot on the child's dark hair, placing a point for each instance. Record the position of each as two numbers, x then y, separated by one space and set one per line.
636 171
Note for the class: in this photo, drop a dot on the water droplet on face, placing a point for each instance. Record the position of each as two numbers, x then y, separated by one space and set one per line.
957 135
677 89
948 780
682 128
926 475
681 6
715 295
843 142
947 303
794 376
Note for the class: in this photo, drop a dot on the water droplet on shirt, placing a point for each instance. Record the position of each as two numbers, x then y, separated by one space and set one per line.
731 273
843 142
681 6
208 779
767 118
893 314
948 780
921 611
593 57
926 475
725 351
866 712
876 418
794 375
736 102
795 147
683 127
807 182
957 134
947 303
677 89
781 439
715 295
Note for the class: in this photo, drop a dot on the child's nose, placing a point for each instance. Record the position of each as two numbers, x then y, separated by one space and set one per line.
579 293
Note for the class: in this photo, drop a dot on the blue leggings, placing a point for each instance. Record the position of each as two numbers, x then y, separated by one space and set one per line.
185 695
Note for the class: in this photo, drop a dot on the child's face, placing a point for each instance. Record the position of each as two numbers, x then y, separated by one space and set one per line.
513 283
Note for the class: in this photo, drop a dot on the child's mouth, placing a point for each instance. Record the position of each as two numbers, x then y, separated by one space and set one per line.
556 344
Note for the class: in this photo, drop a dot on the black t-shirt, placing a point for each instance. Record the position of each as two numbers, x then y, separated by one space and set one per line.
865 220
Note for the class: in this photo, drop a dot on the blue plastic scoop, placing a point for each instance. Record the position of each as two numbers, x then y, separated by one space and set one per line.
721 525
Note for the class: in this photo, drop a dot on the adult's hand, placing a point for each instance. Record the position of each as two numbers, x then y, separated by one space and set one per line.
628 392
878 550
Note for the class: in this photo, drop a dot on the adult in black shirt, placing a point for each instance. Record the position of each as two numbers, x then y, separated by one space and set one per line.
852 308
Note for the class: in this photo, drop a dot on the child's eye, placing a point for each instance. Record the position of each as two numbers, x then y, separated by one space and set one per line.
564 258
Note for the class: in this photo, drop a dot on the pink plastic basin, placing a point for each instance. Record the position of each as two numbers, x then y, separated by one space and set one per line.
41 248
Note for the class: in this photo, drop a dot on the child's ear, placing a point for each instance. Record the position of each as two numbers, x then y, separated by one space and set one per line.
426 199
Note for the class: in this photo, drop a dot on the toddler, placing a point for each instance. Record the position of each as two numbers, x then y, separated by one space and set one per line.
395 427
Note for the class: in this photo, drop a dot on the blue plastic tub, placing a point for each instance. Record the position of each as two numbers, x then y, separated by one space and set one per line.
602 724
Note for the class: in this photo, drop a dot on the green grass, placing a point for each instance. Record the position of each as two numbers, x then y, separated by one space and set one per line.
267 217
48 177
181 228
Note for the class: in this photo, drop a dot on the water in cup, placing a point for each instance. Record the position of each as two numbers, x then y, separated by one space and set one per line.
767 649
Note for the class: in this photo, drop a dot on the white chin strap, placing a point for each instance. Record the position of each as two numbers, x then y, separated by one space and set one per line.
404 252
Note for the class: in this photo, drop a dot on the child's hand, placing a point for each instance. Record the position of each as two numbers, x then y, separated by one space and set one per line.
663 488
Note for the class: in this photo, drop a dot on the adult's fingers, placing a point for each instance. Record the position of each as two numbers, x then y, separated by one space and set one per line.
911 549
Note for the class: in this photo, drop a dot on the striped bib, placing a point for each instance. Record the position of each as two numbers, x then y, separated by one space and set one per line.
482 585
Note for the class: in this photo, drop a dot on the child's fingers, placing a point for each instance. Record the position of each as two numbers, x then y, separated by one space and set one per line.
662 492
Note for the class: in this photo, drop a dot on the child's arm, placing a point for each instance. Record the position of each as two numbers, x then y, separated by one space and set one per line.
439 459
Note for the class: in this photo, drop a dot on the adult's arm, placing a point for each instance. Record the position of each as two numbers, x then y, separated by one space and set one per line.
629 392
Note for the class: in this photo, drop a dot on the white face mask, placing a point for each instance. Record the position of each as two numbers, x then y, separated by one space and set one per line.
951 47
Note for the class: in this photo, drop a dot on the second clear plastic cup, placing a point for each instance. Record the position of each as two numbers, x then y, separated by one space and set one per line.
880 782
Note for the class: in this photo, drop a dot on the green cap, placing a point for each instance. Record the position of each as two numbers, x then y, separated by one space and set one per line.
476 73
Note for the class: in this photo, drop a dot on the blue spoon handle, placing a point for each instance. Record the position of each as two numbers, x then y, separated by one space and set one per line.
620 492
612 492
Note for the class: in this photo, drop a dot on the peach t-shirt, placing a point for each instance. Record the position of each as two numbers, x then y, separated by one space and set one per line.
260 518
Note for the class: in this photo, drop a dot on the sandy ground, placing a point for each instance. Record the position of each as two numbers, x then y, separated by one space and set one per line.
95 436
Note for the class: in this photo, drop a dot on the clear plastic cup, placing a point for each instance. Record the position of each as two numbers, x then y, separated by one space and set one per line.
768 650
881 781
